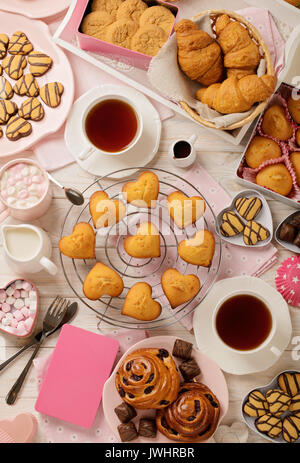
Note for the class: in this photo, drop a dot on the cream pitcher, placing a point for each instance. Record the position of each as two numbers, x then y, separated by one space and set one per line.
27 249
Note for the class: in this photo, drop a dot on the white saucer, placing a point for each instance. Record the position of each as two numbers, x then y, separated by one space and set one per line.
231 362
140 155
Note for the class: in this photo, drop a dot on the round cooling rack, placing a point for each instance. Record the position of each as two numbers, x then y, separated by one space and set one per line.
110 250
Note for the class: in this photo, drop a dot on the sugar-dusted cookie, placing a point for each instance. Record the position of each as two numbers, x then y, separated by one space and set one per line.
256 404
231 224
32 109
199 250
109 6
139 304
179 288
289 383
3 45
27 85
19 44
131 10
14 65
278 401
39 63
6 90
104 211
102 280
143 192
80 244
291 428
269 424
248 208
185 210
121 32
17 128
95 24
51 94
148 40
295 404
7 109
146 242
255 232
159 16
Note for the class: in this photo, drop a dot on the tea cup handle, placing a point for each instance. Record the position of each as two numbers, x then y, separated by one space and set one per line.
48 265
86 153
275 351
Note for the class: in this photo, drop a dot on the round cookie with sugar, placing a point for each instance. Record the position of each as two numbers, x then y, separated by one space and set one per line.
121 32
95 24
110 6
148 40
131 10
159 16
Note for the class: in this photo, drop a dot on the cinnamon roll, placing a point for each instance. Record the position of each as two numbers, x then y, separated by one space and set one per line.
193 417
148 378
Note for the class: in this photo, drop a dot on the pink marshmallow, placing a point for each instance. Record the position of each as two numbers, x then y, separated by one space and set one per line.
14 323
28 323
37 179
18 315
11 181
17 294
23 194
27 286
27 181
6 307
2 314
25 312
21 326
18 177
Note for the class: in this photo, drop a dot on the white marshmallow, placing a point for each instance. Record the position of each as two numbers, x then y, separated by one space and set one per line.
18 315
11 300
6 321
24 293
32 307
33 170
11 201
19 303
9 315
32 295
25 171
10 291
19 284
27 302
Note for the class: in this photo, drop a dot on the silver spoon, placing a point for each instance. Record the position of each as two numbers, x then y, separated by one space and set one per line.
74 196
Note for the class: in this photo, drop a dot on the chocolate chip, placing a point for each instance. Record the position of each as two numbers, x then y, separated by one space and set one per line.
136 377
121 392
129 365
150 379
164 402
148 389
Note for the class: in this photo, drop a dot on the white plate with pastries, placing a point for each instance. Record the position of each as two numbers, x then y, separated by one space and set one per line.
35 9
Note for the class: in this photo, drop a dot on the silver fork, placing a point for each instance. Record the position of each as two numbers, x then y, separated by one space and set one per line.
53 317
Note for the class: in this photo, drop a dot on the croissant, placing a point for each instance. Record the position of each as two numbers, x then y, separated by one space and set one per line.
199 55
240 51
236 96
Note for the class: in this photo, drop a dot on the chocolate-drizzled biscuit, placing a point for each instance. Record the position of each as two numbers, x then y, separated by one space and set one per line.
256 405
291 428
278 401
255 232
231 224
269 424
31 109
182 349
295 404
289 383
248 208
6 90
189 369
19 44
3 45
17 127
127 431
125 412
51 94
39 63
27 85
14 65
7 109
147 427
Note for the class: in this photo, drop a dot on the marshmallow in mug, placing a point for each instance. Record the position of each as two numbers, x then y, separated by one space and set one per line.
22 185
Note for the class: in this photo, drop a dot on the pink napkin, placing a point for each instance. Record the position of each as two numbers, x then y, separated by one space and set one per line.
59 431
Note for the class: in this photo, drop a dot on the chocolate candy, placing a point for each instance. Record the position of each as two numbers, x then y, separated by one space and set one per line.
287 232
125 412
296 220
147 427
296 241
189 369
248 208
182 349
127 431
231 224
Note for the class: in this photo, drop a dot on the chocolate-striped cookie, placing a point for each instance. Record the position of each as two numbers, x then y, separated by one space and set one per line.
51 94
19 44
27 85
39 63
14 65
31 109
291 428
255 232
6 90
17 128
1 132
231 224
269 424
7 109
3 45
289 383
248 208
295 404
278 401
256 405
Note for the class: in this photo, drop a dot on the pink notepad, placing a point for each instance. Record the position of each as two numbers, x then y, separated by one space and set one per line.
79 366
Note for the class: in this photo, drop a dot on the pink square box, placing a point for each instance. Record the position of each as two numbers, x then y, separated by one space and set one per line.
110 50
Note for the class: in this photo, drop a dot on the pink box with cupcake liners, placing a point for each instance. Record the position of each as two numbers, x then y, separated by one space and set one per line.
110 50
247 175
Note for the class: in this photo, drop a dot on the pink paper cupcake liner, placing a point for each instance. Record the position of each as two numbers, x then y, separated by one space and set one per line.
288 280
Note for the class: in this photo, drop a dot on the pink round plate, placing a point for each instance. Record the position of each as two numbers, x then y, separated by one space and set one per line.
35 9
39 34
211 376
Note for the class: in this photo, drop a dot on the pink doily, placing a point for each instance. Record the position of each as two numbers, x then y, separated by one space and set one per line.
288 280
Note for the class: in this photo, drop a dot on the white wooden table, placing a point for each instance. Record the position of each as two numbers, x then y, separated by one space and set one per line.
221 165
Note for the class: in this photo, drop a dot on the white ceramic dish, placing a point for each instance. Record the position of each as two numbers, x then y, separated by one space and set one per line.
251 421
235 363
211 376
264 217
290 246
33 9
102 164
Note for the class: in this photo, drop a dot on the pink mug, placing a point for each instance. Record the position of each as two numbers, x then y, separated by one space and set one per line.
31 212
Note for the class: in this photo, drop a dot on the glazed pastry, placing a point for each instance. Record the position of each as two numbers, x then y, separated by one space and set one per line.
193 417
231 224
148 379
7 109
27 85
237 96
199 250
109 6
256 405
295 404
278 401
148 40
31 109
255 232
269 424
143 192
120 32
295 160
80 244
189 369
147 427
95 24
39 63
287 232
248 208
179 288
293 2
6 90
199 55
146 242
289 383
19 44
159 16
3 45
17 128
291 428
125 412
139 304
102 281
294 108
184 210
275 123
260 150
276 178
131 10
182 349
104 211
127 431
14 65
51 94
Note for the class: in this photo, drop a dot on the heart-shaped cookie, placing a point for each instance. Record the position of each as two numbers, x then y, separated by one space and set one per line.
81 244
179 288
146 242
199 250
19 430
139 303
102 280
31 109
143 192
184 210
17 128
248 208
231 224
3 45
39 63
7 109
6 90
27 85
104 211
14 65
255 232
19 44
51 93
256 404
